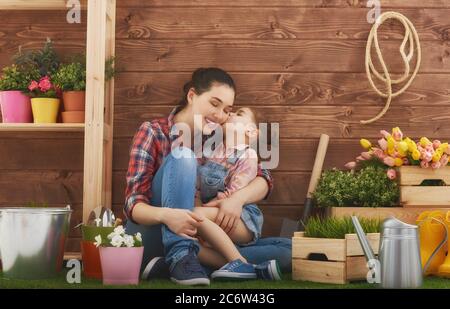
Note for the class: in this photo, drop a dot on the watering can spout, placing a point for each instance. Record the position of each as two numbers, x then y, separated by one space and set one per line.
368 252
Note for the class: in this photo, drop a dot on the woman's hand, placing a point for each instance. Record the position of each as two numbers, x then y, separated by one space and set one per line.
182 222
229 214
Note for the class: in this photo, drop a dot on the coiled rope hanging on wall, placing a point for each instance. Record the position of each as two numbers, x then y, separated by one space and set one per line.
410 37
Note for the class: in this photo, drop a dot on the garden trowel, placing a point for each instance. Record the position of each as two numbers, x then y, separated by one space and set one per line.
290 226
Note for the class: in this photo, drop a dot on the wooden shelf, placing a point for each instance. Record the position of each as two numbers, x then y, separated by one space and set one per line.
36 4
36 127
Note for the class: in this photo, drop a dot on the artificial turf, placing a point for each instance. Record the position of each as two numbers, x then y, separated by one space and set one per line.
287 283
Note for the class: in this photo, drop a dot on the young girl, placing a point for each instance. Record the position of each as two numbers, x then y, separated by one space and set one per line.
232 165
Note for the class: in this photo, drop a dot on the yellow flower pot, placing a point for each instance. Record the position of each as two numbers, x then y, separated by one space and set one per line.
45 110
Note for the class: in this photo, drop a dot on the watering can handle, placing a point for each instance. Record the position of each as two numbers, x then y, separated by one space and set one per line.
427 264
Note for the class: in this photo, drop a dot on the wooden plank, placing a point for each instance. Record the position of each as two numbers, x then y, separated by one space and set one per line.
407 215
269 55
48 127
414 175
271 23
36 5
290 89
95 101
282 3
419 196
356 268
318 271
354 247
333 249
311 121
18 154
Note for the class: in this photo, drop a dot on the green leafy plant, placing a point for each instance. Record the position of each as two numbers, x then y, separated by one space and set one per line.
45 60
71 77
368 187
15 78
334 227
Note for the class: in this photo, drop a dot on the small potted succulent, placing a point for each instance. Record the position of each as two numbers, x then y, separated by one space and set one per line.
44 100
15 105
120 256
71 79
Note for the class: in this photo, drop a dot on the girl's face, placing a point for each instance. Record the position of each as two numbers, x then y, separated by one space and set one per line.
212 107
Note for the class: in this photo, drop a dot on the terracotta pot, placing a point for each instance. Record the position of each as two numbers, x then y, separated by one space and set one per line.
73 117
121 265
45 110
74 101
90 255
16 107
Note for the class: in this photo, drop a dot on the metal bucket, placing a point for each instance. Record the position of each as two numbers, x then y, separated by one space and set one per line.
32 241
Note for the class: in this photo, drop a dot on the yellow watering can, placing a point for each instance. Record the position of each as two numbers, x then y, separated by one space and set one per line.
433 234
444 269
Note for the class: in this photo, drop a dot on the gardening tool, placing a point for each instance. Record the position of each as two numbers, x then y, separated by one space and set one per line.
290 226
432 232
101 216
399 254
32 241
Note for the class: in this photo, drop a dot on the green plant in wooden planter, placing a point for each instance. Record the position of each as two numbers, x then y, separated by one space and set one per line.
368 187
333 227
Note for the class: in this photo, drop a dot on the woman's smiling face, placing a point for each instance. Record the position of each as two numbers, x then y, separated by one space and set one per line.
213 106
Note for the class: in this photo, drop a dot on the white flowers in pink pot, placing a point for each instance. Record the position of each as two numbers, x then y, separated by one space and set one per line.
118 238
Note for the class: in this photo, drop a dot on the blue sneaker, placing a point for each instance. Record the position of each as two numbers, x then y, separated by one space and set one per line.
157 268
189 271
268 270
236 270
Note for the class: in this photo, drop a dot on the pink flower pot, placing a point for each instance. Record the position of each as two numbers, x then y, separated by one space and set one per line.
16 107
121 266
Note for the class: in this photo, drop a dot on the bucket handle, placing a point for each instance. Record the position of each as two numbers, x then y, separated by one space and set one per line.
427 264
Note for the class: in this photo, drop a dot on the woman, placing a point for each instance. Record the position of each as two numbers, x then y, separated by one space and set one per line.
161 184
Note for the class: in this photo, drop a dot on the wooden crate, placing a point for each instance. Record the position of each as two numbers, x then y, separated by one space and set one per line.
414 195
344 262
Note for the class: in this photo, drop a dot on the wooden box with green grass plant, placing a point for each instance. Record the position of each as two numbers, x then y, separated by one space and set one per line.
329 251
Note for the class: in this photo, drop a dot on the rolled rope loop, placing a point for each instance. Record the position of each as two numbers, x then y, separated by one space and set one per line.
412 39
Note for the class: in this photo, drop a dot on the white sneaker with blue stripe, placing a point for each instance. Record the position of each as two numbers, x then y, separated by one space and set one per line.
235 270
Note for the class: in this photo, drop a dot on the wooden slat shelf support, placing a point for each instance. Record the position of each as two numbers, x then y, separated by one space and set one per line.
99 115
97 184
35 127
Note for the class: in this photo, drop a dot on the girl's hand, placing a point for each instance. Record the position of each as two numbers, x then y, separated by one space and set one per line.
182 222
229 213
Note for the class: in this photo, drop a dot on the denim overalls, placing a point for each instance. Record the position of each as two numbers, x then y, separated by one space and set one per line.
211 180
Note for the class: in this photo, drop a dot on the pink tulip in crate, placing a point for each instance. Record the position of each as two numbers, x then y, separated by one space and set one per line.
330 260
412 194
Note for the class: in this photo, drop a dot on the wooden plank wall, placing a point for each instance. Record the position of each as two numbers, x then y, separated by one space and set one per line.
298 62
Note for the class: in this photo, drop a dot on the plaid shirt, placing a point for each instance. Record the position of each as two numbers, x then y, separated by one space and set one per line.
151 143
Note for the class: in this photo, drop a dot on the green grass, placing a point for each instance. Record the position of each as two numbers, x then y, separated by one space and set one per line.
286 283
334 227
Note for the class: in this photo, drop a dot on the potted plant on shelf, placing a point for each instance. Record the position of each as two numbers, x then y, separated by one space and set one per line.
44 100
120 256
15 105
328 250
71 79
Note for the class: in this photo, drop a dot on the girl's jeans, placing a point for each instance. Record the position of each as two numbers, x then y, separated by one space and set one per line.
174 186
